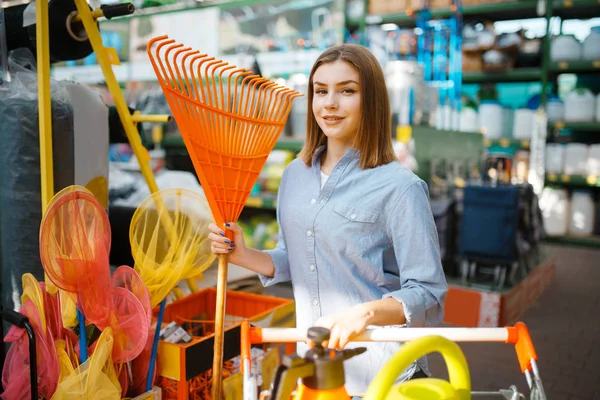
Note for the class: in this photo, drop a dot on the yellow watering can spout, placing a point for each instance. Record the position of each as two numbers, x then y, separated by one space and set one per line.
458 388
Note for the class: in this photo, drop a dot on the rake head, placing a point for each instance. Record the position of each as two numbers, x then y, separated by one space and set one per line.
229 119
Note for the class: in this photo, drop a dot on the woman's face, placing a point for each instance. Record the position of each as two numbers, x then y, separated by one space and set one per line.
336 101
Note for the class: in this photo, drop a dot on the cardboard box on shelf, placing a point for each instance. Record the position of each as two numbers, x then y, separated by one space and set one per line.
472 61
440 4
378 7
399 6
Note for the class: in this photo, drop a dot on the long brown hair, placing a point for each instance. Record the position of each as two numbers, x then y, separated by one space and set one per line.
374 138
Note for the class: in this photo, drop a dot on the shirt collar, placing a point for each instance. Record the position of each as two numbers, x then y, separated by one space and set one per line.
351 153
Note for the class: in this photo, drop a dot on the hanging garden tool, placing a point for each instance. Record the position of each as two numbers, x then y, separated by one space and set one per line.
169 243
75 242
230 121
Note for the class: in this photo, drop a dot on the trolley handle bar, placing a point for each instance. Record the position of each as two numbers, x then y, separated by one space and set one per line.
517 335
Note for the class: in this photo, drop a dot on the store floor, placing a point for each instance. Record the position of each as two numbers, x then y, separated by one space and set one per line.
565 328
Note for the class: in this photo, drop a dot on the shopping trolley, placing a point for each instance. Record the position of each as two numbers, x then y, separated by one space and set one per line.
517 335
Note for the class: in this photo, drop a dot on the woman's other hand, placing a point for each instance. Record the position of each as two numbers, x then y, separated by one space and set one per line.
345 326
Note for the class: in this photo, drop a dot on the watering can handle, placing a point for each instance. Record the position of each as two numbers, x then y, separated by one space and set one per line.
458 371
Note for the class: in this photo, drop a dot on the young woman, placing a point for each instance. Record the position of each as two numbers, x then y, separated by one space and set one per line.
357 237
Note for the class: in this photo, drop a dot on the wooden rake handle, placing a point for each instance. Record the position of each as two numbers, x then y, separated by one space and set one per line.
217 370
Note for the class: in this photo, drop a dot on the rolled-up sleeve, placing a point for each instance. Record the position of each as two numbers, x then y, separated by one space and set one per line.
413 233
279 254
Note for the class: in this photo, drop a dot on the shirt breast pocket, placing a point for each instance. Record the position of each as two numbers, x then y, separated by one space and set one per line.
357 228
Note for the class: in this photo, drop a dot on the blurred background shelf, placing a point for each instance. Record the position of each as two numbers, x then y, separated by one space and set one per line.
515 75
261 202
576 126
496 12
506 143
573 180
567 67
589 242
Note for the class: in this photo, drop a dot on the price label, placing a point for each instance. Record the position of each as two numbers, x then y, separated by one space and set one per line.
565 178
552 177
268 365
525 144
568 3
563 65
504 143
233 387
591 180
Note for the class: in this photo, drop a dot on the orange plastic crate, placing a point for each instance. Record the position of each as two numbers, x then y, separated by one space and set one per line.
185 369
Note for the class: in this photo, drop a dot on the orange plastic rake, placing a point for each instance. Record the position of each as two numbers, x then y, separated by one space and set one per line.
230 121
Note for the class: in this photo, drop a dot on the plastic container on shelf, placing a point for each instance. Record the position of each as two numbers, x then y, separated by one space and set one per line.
565 48
523 123
580 106
582 213
555 109
576 155
593 161
591 45
469 122
554 204
491 117
555 158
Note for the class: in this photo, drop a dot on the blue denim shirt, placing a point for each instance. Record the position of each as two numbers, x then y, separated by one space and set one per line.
367 235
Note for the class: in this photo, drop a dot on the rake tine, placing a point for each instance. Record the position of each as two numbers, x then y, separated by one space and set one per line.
190 87
171 74
165 75
183 82
223 117
193 75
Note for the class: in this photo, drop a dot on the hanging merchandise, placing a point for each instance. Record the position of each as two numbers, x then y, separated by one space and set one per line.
80 141
581 218
439 53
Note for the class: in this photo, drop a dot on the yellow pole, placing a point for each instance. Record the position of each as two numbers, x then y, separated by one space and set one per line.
151 118
135 141
44 102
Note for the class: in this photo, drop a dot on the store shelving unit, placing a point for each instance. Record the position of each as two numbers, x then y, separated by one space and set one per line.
580 181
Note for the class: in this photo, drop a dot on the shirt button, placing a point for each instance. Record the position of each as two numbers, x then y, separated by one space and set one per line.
308 233
313 201
353 216
312 267
316 302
